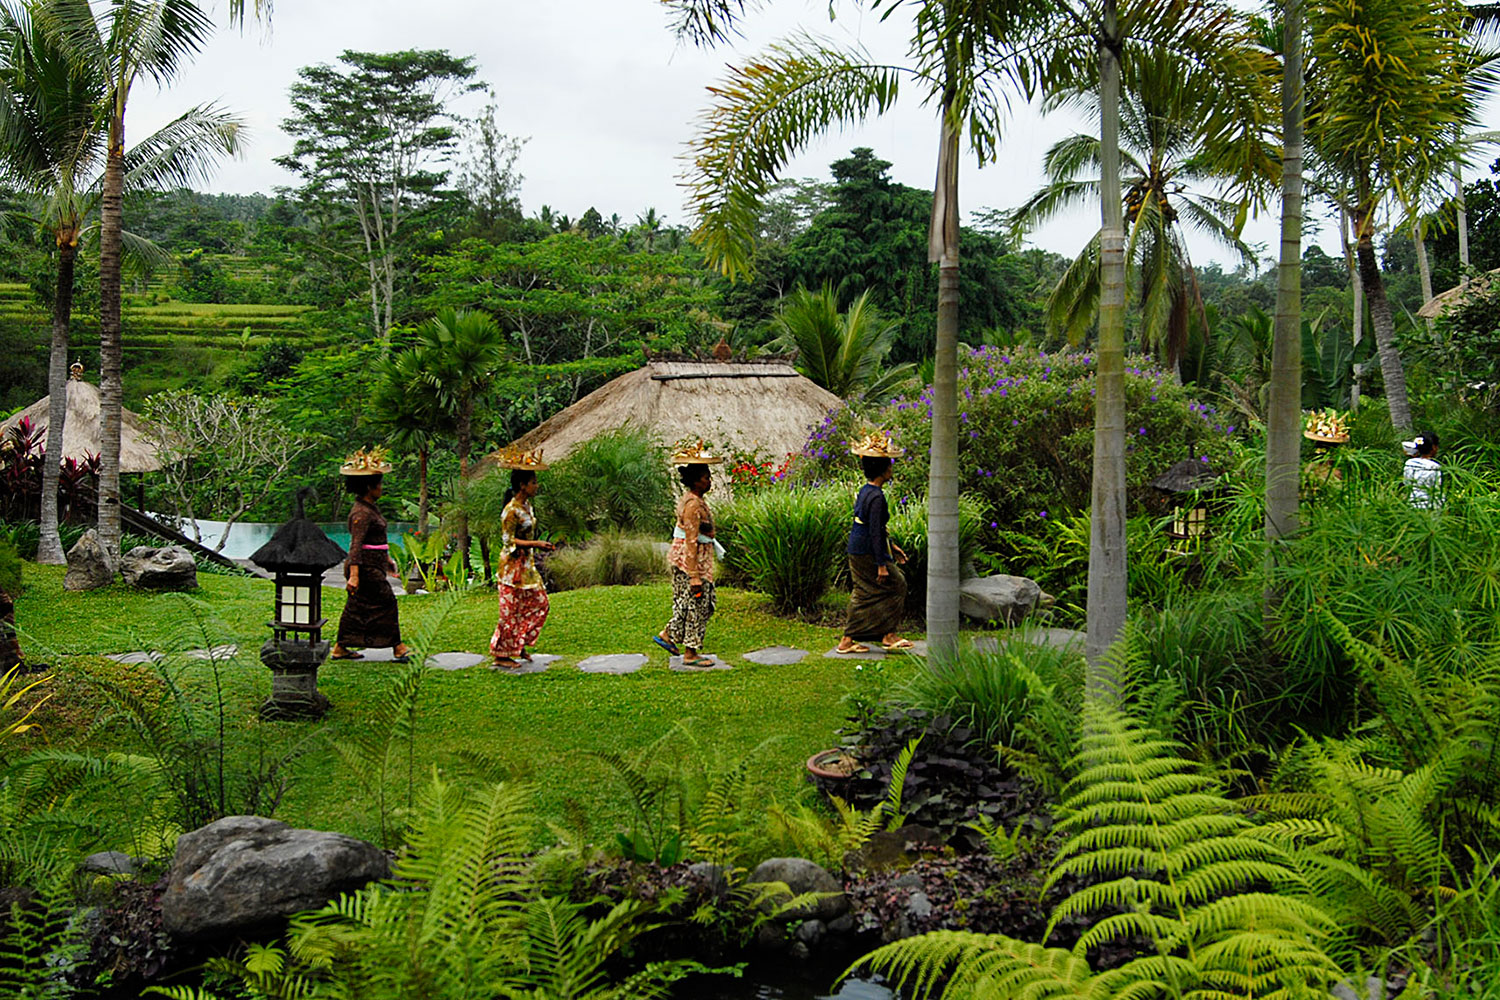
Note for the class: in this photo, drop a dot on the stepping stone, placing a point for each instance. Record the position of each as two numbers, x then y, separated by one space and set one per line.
918 648
675 663
454 661
372 655
776 656
143 657
613 663
224 652
538 663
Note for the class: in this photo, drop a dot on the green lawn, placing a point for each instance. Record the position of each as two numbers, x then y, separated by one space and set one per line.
540 725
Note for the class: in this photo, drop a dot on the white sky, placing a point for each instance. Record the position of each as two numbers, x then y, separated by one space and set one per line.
606 96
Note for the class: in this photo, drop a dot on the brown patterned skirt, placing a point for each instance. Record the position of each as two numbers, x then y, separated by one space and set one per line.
876 608
369 617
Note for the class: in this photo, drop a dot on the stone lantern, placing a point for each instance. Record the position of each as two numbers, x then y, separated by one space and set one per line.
298 554
1191 487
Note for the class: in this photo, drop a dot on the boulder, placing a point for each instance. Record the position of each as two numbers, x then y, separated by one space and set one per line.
800 876
894 849
110 863
244 872
1000 598
169 568
89 566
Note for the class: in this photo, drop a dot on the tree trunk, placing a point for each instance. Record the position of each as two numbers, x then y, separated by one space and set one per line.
1463 224
111 388
1385 331
1107 568
424 499
1284 415
461 520
49 550
1424 269
942 481
1357 290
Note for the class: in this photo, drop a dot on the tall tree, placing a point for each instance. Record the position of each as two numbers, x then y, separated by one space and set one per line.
1284 417
54 147
1389 101
465 349
776 104
373 137
410 406
126 41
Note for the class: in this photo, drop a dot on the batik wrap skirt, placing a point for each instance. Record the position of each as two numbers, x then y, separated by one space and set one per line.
878 605
523 612
690 614
369 617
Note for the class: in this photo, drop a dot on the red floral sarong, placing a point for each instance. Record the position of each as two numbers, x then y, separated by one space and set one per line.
523 612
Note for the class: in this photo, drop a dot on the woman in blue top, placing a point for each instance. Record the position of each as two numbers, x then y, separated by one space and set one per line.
879 599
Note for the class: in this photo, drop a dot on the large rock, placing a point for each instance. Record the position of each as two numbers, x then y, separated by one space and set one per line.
169 568
1000 598
243 872
89 566
800 876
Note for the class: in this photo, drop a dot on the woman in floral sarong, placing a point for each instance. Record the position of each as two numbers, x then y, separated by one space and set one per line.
691 559
523 597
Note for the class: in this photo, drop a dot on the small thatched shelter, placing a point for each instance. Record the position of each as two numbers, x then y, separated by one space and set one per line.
1442 302
81 429
765 406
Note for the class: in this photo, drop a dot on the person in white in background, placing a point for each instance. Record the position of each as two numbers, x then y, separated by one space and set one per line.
1422 471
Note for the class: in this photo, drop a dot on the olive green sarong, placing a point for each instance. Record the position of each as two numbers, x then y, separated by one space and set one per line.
878 604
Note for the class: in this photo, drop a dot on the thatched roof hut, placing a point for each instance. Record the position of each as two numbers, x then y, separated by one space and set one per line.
81 428
1443 301
764 406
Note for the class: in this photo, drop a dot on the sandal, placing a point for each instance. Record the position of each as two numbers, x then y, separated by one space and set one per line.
898 645
347 655
667 644
857 647
700 661
506 663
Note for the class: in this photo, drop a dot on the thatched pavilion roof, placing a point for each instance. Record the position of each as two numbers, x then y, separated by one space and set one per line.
81 429
766 406
298 544
1443 301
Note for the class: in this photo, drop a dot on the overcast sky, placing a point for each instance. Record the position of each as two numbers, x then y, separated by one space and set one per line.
603 93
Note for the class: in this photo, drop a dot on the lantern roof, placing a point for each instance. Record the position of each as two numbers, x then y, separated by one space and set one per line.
1187 476
299 544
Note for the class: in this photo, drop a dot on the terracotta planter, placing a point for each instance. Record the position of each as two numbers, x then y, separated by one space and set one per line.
833 764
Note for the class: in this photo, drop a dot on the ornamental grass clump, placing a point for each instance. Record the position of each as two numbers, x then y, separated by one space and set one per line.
788 544
611 558
1026 432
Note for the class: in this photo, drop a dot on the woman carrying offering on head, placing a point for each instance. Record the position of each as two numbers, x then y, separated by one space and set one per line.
691 558
523 597
1422 473
879 598
369 617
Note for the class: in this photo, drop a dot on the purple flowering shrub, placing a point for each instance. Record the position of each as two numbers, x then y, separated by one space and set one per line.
1026 433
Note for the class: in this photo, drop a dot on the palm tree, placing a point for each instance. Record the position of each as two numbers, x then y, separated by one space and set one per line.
841 352
1389 100
465 349
128 40
407 404
1168 168
54 146
775 105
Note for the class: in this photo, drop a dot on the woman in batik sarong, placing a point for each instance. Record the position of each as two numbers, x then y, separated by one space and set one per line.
691 558
523 597
369 618
879 600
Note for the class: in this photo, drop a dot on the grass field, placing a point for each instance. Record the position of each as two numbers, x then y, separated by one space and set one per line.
541 726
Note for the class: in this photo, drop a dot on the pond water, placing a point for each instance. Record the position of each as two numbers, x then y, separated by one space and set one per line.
247 536
784 980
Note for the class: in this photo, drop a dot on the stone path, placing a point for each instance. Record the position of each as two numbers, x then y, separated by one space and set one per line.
776 656
454 661
613 663
537 663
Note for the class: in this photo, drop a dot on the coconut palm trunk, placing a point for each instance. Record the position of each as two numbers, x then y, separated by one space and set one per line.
49 550
1463 224
1284 415
942 482
465 433
424 492
1424 267
1107 568
111 387
1384 325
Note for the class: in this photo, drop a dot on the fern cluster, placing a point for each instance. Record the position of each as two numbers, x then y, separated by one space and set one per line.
1215 909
